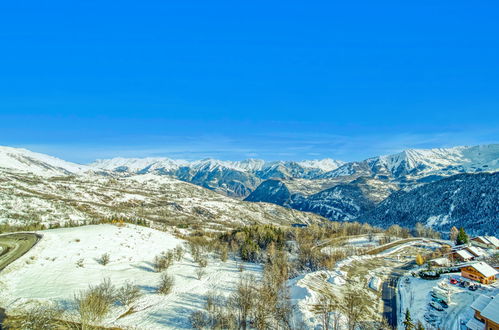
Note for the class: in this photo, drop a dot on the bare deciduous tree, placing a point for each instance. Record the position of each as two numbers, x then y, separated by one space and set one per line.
165 284
354 306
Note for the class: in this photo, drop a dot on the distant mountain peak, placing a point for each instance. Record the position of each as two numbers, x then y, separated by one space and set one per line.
23 160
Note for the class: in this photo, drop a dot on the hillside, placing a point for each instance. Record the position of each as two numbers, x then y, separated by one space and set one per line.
341 202
65 261
25 161
465 200
27 198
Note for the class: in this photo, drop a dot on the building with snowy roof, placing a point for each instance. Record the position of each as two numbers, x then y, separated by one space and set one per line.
480 272
462 255
440 262
475 251
486 313
486 241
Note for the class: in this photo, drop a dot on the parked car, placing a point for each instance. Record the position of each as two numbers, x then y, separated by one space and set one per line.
443 303
453 281
473 287
440 301
436 306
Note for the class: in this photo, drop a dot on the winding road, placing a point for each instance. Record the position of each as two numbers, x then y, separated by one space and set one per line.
389 294
12 247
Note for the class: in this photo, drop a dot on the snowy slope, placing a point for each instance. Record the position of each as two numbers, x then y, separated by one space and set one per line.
464 200
325 165
25 199
49 272
134 165
23 160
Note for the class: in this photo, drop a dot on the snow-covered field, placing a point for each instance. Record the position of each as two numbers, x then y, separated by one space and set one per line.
49 272
415 294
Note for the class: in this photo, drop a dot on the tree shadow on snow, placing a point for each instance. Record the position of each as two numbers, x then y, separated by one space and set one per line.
147 266
148 288
178 318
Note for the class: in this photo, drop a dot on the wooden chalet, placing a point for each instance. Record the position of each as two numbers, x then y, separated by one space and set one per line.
479 272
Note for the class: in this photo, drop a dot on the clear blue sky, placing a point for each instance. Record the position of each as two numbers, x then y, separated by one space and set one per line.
236 79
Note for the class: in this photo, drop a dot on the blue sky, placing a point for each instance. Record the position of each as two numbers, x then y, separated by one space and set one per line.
233 79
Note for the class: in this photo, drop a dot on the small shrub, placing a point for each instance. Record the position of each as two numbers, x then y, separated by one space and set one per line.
163 261
35 317
224 253
104 259
199 320
195 251
80 263
128 294
165 284
179 253
94 303
200 272
202 262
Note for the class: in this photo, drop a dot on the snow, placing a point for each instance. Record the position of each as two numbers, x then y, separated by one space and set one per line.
493 240
375 283
481 302
304 293
325 165
138 164
24 160
476 251
364 241
464 254
439 159
443 261
474 324
48 272
248 165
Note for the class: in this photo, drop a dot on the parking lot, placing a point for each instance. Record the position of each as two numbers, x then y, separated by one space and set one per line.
442 303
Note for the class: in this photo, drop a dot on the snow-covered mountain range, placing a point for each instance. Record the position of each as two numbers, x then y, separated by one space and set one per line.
355 188
334 189
233 178
417 163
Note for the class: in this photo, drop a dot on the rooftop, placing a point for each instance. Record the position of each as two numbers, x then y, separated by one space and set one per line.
474 324
491 311
475 250
493 240
464 254
484 269
481 302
